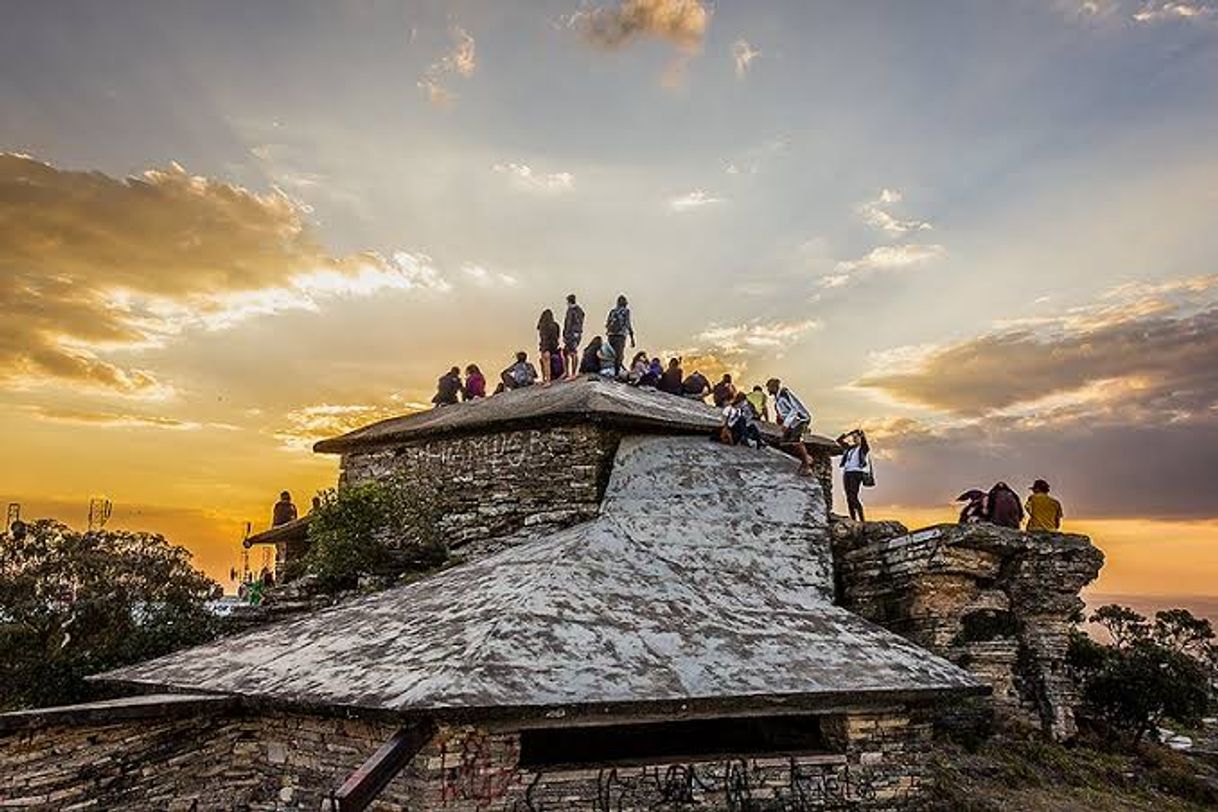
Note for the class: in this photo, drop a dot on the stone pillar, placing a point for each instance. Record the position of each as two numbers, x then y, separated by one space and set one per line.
885 751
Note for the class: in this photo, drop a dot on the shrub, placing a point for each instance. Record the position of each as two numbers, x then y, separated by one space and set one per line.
74 604
379 528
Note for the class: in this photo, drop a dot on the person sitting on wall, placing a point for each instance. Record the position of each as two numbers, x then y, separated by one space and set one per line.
695 387
856 465
284 511
520 374
974 511
794 418
1002 506
590 363
724 392
670 381
1044 512
475 383
761 404
572 335
448 388
740 422
607 360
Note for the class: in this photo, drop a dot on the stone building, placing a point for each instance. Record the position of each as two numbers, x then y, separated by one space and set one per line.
663 635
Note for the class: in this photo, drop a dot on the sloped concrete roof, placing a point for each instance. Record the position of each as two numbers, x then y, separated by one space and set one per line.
707 576
590 398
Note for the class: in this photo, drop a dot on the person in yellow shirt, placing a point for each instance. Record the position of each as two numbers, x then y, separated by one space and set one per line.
1044 512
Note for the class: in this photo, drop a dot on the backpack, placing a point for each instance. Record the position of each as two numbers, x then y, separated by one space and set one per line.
616 324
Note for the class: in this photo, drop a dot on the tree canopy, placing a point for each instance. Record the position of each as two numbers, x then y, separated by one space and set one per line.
76 603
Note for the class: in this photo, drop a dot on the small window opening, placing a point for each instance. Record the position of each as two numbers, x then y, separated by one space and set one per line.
685 740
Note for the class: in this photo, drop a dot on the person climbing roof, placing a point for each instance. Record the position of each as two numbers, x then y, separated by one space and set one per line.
794 418
1044 512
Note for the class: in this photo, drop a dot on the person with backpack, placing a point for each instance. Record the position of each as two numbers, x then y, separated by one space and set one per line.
740 422
856 468
1002 506
547 334
519 374
448 388
794 418
617 328
572 335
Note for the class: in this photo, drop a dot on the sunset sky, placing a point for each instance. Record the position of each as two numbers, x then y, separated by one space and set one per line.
986 231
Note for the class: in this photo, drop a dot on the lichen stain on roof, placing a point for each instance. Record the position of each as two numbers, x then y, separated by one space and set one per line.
589 398
708 575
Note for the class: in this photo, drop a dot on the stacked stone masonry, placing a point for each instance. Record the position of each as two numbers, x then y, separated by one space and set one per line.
996 601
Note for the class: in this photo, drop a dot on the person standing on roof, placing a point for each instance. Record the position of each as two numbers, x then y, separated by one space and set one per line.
617 328
724 392
447 388
547 336
572 335
1044 512
794 418
1002 506
284 511
856 463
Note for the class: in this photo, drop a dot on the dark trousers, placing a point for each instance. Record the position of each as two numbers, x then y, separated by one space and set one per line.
853 480
619 349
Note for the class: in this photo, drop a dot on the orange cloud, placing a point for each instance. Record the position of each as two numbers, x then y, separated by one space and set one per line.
680 22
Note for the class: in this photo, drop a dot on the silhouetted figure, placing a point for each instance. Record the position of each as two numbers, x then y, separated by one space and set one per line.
1003 507
856 465
475 383
548 334
618 328
672 378
724 392
794 418
267 577
448 388
572 335
1044 512
590 363
284 511
696 386
520 374
316 504
974 509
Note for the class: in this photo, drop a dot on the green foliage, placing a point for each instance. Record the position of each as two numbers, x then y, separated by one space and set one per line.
74 604
1149 673
374 528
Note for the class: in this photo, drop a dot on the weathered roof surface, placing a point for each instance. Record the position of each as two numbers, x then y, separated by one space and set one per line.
708 575
114 710
590 398
295 530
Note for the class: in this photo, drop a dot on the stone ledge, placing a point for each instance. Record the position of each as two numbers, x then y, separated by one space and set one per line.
153 706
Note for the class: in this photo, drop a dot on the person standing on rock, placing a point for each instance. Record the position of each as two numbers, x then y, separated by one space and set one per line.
1044 512
618 328
1002 506
572 335
856 464
794 418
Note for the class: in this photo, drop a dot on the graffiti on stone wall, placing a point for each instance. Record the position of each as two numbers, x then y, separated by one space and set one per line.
484 769
735 784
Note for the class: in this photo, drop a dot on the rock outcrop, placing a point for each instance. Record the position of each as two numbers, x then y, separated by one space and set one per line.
997 601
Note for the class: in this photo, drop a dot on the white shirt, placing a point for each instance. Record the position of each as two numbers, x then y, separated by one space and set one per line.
854 459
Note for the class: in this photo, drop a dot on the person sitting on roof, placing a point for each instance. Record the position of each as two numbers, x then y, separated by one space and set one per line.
1002 506
974 511
520 374
655 370
548 333
284 510
761 404
695 387
670 381
639 366
1044 512
607 361
589 362
475 383
794 418
724 392
448 388
740 422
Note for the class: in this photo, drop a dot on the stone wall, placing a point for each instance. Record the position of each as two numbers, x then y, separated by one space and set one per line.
996 601
497 484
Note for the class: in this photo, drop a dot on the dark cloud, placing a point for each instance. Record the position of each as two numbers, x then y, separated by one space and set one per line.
681 22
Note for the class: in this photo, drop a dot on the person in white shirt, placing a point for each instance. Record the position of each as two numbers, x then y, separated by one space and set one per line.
794 418
856 463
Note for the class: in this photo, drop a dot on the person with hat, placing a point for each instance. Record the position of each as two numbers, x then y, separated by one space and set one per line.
1044 512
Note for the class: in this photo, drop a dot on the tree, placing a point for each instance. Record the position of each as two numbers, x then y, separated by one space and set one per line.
384 527
74 604
1149 673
